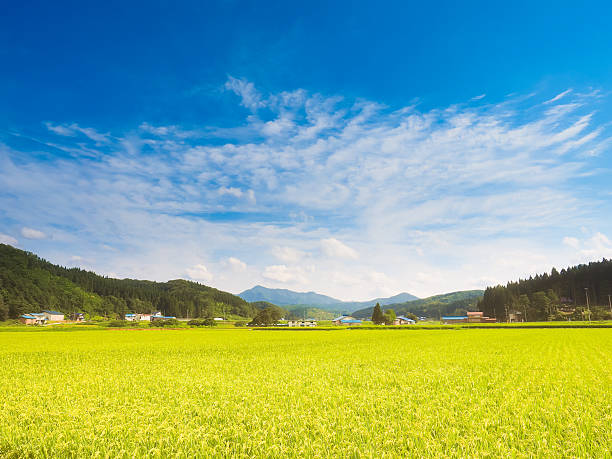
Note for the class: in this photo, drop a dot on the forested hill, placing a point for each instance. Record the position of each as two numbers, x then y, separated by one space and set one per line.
554 296
433 306
31 284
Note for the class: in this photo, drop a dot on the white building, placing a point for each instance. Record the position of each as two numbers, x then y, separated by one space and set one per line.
301 323
53 316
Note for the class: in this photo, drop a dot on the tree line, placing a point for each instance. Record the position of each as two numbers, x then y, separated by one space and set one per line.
556 296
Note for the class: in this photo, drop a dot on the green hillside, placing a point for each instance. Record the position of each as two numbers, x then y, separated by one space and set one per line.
433 306
299 311
30 284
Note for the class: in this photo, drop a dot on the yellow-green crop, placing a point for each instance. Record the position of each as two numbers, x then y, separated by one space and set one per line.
370 393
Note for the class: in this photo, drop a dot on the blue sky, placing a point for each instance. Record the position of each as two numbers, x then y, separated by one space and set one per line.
342 148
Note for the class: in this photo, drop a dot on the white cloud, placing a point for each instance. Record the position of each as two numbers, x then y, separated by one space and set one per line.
6 239
237 193
30 233
571 241
591 248
199 272
285 274
251 98
558 96
61 130
481 96
288 254
336 249
72 130
236 264
465 194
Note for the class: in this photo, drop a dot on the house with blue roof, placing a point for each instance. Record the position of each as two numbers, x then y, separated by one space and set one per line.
27 319
448 320
346 320
401 320
34 318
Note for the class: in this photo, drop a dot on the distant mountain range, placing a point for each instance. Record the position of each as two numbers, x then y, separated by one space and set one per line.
284 297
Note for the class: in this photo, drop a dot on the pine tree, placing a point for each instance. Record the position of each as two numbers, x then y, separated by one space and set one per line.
377 315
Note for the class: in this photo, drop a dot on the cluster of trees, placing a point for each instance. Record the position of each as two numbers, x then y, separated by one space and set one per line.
31 284
555 296
268 316
388 316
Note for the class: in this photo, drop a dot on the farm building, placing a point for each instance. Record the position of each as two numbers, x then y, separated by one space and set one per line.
479 317
475 316
53 316
516 316
77 317
132 317
28 319
301 323
471 317
401 320
454 319
34 318
346 320
156 317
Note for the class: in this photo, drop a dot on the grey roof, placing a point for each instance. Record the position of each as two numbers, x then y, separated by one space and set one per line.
55 313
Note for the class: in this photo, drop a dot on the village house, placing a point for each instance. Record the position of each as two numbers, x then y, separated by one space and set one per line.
28 319
471 317
78 317
448 320
516 316
346 320
301 323
401 320
53 316
34 318
479 317
132 317
158 316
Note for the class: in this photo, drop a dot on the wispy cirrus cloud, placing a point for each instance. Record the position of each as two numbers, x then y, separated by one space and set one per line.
419 194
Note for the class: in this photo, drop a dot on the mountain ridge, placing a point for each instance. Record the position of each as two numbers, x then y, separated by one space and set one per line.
286 297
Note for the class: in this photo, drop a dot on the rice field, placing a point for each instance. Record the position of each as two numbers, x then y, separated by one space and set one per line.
250 393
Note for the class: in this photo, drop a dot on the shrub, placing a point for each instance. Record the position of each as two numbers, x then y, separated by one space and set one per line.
208 322
164 323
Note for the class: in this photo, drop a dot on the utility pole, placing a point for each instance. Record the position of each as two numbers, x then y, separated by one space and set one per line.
610 302
586 291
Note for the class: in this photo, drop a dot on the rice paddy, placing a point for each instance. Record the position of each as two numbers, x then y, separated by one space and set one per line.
357 393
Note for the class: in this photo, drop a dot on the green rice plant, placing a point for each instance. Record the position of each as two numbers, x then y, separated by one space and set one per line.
247 393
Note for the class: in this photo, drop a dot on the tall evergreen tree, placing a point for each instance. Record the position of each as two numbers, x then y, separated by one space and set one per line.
377 315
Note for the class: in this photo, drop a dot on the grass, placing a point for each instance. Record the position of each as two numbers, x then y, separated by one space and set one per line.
250 393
